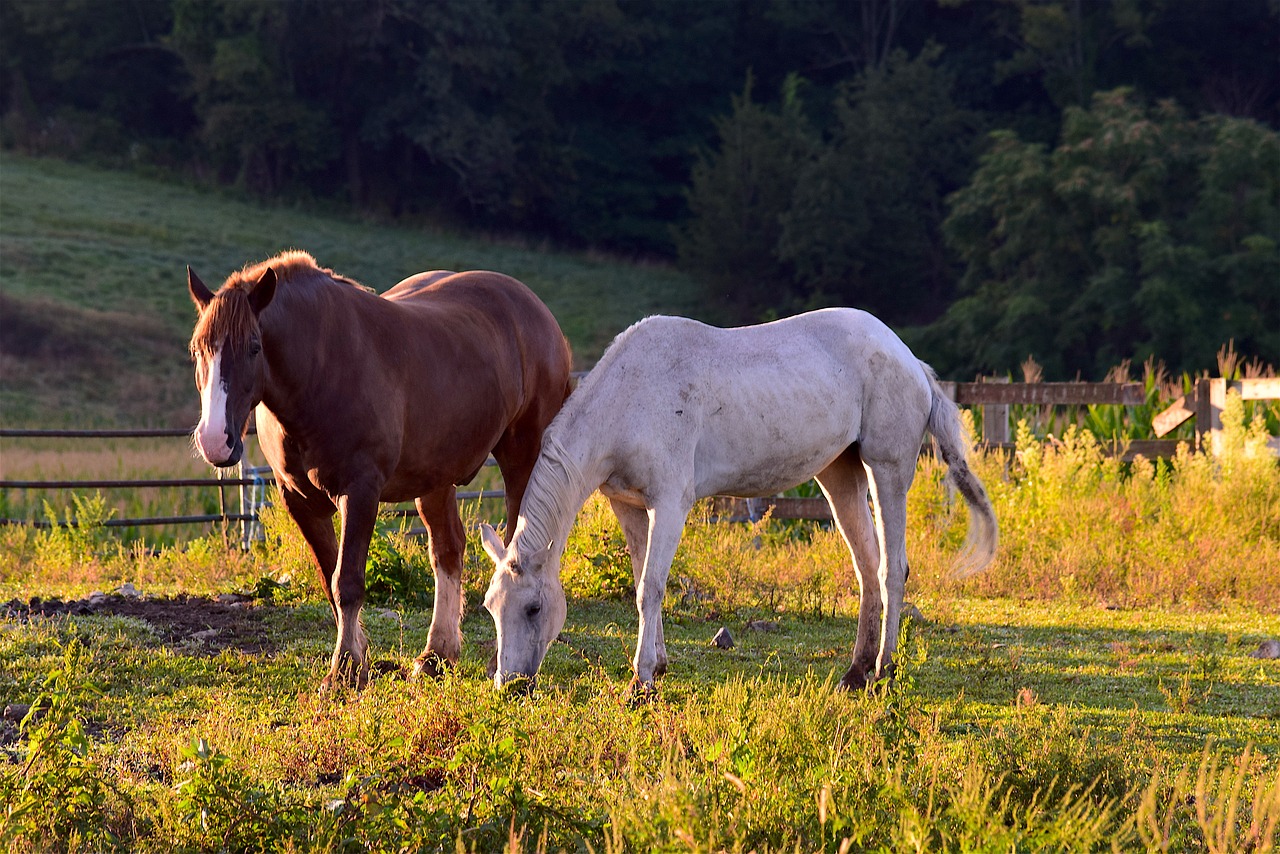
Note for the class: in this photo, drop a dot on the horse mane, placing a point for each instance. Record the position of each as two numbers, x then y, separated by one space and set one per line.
230 316
293 265
547 509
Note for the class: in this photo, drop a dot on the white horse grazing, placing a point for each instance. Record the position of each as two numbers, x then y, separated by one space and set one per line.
677 410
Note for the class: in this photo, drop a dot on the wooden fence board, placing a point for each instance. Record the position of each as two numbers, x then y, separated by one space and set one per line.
1178 413
1049 394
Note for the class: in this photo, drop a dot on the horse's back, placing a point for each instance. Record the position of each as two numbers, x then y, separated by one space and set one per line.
757 408
826 342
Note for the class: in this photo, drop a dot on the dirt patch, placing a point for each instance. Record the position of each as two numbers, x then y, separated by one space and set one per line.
198 624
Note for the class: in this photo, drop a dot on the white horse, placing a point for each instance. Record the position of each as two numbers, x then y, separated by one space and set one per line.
677 410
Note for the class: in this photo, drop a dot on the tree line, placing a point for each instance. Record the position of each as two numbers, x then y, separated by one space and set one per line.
1077 181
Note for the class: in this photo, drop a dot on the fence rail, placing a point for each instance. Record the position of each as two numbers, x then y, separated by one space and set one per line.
1204 404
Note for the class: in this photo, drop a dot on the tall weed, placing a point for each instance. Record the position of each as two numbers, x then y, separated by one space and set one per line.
1079 524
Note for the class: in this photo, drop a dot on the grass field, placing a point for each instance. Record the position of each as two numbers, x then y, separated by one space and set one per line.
1096 689
1073 698
97 316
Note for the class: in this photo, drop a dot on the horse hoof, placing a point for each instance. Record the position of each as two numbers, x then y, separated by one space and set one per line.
517 686
429 666
854 680
640 693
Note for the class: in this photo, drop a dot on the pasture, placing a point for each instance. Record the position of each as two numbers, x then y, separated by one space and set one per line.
1088 692
1096 689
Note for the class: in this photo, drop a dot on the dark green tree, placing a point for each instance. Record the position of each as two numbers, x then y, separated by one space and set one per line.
864 226
738 196
1143 233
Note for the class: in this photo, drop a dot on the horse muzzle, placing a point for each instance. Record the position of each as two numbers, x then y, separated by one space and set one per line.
220 450
514 684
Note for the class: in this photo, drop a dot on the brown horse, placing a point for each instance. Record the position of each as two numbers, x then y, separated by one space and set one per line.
364 399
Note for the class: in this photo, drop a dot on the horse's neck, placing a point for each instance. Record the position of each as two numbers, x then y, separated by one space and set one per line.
297 331
557 489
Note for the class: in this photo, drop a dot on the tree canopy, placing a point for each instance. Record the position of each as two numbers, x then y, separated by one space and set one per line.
964 167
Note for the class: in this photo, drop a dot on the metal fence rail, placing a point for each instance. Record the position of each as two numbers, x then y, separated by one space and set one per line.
1204 404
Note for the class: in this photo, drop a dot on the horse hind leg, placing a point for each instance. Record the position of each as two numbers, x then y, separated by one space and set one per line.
846 487
890 480
634 522
447 543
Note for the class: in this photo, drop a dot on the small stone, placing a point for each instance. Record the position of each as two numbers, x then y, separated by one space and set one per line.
16 711
1268 649
231 598
722 639
762 626
127 589
207 634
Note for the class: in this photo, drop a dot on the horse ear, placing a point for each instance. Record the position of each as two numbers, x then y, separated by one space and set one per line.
493 545
200 294
263 291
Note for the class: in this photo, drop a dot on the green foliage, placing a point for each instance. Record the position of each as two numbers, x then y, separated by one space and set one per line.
738 197
863 226
1077 523
55 793
78 538
785 217
596 563
1143 233
398 571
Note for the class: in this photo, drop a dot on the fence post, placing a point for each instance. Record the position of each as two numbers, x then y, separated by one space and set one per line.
1211 397
995 418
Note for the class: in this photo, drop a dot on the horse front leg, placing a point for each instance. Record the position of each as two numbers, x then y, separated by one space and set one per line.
448 541
634 522
666 523
314 517
350 663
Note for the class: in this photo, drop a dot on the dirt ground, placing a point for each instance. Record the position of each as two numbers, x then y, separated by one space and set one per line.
229 621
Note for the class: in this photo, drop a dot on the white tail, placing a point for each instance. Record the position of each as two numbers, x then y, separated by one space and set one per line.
945 427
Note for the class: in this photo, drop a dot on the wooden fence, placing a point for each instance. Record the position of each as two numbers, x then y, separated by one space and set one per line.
1204 404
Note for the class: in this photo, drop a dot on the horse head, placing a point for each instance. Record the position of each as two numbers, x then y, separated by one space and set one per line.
227 349
528 606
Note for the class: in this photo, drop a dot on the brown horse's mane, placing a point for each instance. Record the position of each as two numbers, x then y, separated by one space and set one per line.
230 317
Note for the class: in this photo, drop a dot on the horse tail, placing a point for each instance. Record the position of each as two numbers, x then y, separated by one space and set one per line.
952 444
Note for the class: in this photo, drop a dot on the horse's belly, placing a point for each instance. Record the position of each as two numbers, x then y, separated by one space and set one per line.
750 461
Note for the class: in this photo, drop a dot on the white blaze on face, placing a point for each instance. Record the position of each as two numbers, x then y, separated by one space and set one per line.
211 433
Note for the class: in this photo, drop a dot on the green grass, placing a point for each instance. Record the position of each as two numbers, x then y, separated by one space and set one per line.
93 290
1028 714
1012 721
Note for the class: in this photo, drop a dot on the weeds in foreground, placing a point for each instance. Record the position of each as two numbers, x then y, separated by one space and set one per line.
763 763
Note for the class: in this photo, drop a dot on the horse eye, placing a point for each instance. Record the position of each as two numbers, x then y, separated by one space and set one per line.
532 610
255 347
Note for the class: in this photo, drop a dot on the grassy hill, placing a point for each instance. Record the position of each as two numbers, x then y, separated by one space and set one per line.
94 314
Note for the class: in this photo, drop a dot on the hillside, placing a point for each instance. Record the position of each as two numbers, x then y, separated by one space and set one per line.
94 313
